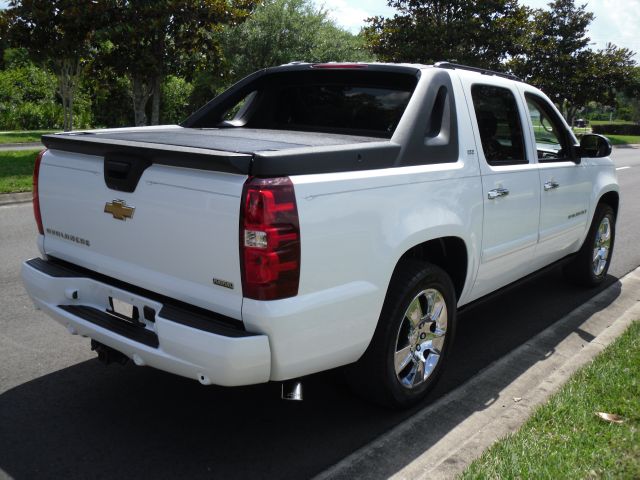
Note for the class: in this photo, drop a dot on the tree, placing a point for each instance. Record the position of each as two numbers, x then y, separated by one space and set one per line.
57 33
474 32
146 41
556 58
281 31
4 33
629 98
27 95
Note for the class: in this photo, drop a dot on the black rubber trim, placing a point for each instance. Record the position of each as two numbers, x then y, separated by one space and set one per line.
175 156
173 310
483 71
113 324
199 321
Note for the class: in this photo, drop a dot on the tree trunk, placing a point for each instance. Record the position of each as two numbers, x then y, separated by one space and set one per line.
70 106
157 94
571 114
142 90
68 73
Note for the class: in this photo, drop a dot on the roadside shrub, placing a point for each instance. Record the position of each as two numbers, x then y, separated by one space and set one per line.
616 129
35 116
175 105
28 99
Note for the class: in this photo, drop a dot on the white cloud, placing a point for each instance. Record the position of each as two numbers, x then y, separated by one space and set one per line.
345 13
616 22
351 14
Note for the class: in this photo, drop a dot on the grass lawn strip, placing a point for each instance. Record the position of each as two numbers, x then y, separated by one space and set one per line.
16 171
565 438
623 139
22 137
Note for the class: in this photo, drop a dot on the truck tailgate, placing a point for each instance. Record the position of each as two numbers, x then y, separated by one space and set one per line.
175 234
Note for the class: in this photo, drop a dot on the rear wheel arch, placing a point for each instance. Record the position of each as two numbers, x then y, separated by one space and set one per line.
449 253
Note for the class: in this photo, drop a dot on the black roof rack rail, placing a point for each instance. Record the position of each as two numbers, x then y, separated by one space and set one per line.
483 71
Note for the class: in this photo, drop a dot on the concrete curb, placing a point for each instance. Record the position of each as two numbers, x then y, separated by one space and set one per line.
11 198
441 440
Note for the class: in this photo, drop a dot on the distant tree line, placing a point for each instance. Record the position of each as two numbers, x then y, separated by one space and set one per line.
83 63
549 47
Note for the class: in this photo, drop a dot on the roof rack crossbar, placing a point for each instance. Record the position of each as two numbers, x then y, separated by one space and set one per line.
483 71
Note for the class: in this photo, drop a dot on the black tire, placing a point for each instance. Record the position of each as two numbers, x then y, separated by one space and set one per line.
581 270
374 376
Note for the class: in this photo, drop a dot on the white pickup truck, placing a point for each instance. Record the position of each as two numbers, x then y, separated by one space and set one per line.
316 216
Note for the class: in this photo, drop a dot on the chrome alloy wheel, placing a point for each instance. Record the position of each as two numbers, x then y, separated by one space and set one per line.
602 246
421 337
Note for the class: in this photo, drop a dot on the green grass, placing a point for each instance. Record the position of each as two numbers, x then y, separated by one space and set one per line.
623 139
603 122
565 439
16 171
22 137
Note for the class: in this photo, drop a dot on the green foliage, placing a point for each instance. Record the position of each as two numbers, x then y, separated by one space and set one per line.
628 99
4 34
564 439
58 33
281 31
472 32
556 58
28 99
174 37
110 96
176 92
16 57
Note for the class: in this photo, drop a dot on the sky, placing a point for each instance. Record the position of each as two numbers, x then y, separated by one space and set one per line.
616 21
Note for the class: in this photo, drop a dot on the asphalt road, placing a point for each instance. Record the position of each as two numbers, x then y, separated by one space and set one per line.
63 414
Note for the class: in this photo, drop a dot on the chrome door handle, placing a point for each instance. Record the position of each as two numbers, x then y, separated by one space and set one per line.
550 185
497 192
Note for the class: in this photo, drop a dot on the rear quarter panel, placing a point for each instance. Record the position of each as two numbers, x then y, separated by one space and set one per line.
355 226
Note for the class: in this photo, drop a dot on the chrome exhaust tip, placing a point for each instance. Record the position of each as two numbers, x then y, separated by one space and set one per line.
292 390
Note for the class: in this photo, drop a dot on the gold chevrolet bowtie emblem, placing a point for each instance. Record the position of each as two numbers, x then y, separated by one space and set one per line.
119 209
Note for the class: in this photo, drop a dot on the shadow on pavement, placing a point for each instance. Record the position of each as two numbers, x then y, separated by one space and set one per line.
94 421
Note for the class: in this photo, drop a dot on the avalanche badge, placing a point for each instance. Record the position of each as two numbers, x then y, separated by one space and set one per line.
119 209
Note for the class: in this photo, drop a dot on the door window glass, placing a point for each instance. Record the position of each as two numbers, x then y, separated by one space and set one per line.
499 124
549 131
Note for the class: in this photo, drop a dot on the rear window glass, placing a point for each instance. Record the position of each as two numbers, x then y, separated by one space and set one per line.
353 102
341 107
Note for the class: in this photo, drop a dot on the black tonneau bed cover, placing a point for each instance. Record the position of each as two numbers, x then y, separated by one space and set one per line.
235 149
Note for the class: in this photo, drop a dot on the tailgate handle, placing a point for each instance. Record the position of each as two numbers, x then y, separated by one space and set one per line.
116 169
122 172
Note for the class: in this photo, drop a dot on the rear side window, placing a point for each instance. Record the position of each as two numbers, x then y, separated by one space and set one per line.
499 125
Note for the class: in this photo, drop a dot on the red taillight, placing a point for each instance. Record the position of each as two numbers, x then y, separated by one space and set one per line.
36 196
269 239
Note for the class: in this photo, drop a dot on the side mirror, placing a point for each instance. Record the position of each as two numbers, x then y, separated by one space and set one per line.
594 146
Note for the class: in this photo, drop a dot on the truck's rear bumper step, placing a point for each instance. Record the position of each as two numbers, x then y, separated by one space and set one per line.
172 309
105 320
184 340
